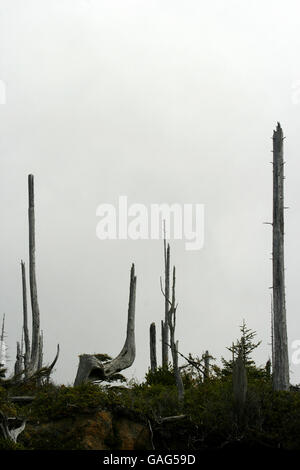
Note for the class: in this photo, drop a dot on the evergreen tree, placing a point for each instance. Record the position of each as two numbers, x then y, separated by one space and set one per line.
244 346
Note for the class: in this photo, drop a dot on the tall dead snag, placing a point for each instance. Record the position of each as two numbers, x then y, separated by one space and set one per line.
272 334
281 359
32 278
174 345
92 369
153 361
25 320
165 328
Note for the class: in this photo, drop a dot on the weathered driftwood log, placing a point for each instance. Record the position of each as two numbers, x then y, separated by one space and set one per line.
153 360
91 369
22 399
170 419
281 360
11 427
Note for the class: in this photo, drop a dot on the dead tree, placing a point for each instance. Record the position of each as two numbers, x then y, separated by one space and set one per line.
11 427
19 361
25 319
171 318
92 369
272 334
174 345
153 361
41 355
2 350
206 358
281 359
240 384
164 325
34 358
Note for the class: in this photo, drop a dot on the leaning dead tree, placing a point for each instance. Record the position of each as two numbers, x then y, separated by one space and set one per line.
92 369
281 359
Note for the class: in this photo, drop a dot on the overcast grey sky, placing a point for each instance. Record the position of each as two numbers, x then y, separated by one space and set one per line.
166 102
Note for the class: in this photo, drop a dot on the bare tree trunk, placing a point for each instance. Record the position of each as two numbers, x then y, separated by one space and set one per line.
32 277
240 384
41 355
91 369
165 333
281 360
40 361
174 345
25 320
163 340
2 350
18 363
153 361
206 365
272 334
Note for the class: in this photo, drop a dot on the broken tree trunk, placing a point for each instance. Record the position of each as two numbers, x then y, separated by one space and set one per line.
281 360
32 278
91 369
153 361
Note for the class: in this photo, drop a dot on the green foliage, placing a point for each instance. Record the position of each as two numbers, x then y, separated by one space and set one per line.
10 445
54 402
245 345
162 376
270 419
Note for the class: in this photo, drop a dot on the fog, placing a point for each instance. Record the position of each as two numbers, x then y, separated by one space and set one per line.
164 102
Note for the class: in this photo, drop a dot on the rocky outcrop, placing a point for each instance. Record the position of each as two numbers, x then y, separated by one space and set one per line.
102 430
